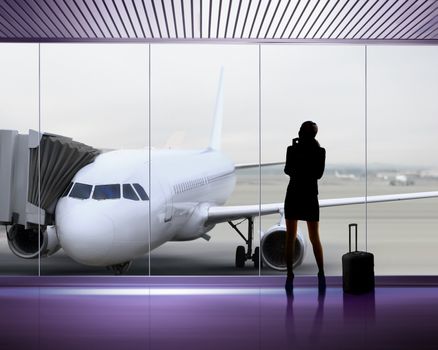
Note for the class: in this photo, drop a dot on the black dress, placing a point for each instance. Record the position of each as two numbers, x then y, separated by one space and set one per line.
305 162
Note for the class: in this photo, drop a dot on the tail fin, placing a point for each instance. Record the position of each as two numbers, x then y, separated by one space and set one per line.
216 132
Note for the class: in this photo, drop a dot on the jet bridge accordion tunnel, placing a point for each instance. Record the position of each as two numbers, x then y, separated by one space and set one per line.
35 170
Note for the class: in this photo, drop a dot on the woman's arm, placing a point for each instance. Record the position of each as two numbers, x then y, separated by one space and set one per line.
320 164
288 168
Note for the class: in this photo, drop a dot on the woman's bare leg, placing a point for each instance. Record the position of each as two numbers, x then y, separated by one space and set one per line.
291 236
313 227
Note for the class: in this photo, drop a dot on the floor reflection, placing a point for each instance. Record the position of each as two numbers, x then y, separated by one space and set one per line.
211 317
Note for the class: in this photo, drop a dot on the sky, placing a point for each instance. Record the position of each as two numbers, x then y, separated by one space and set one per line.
102 95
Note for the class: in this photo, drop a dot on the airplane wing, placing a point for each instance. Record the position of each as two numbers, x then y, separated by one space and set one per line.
217 214
256 165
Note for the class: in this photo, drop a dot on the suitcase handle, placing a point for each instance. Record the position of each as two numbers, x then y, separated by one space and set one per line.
350 226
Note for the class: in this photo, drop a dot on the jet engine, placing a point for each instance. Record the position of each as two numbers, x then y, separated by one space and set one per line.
24 242
273 245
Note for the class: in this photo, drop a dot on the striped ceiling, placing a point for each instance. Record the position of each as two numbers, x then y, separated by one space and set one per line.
405 21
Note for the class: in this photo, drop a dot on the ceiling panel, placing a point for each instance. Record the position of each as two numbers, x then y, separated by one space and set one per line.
395 21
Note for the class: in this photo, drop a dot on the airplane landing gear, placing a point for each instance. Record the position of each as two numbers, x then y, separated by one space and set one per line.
120 269
241 255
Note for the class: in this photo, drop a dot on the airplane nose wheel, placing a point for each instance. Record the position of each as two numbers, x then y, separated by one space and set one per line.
120 269
243 255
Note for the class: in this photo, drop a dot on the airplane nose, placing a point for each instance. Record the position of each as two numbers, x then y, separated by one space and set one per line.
86 237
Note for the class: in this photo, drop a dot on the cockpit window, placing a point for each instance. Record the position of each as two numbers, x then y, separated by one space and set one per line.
106 192
67 189
81 191
141 192
129 193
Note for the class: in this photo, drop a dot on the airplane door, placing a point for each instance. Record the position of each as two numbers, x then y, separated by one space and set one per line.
165 186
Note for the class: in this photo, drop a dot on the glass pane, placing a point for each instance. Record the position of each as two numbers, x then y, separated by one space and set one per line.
193 166
129 193
402 149
81 191
141 192
19 113
106 192
323 84
95 123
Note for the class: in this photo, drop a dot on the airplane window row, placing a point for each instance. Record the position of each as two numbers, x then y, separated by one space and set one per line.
101 192
185 186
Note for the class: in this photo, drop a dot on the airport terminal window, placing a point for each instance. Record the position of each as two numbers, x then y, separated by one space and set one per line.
141 192
81 191
129 193
106 191
67 189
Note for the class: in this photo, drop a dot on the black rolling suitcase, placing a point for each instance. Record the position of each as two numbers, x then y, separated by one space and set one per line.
357 269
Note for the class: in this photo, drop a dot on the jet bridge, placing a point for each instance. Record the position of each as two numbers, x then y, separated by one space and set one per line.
35 170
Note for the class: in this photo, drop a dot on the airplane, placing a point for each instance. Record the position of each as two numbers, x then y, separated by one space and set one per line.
345 176
401 180
128 202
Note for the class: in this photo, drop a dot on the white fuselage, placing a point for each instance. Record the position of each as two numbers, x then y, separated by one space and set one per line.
180 186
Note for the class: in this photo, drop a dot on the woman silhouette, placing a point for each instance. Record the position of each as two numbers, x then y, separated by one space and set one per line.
305 162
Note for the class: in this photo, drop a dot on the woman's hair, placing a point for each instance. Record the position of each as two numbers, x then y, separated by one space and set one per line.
308 130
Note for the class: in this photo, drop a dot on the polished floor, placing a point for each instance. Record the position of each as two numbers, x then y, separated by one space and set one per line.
215 313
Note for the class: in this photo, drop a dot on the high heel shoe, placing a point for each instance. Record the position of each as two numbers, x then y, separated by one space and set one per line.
321 281
289 285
